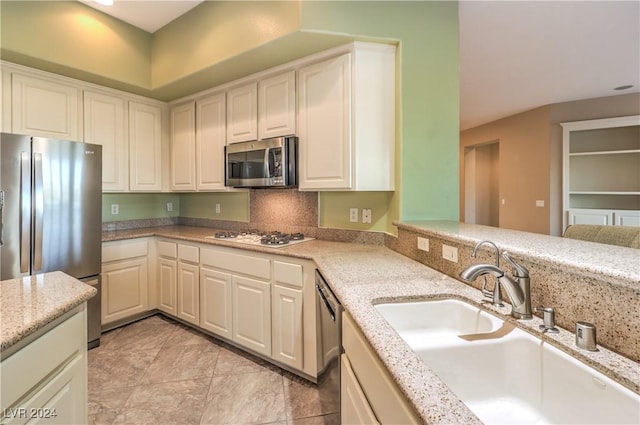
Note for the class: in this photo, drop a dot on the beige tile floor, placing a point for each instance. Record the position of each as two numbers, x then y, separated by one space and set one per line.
157 371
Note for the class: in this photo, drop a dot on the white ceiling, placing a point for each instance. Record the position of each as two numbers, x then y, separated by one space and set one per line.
149 15
514 55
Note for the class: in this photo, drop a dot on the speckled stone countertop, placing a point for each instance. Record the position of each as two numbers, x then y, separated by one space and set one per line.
364 275
30 303
615 264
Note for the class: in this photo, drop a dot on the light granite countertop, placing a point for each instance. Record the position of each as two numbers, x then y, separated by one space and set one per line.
614 264
364 275
30 303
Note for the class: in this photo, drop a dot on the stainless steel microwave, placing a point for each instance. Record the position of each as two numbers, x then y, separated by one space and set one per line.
262 163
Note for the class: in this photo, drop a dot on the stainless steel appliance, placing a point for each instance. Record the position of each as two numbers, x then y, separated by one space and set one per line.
262 163
51 212
274 239
329 343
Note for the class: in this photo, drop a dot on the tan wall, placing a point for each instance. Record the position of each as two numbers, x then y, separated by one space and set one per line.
579 110
523 167
531 157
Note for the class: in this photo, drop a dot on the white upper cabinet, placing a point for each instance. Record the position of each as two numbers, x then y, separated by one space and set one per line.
197 144
210 142
46 108
277 106
242 113
145 147
347 121
183 147
105 124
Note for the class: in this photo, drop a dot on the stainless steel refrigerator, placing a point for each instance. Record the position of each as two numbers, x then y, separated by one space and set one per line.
51 212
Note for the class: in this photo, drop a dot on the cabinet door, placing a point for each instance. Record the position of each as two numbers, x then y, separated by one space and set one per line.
183 147
45 108
145 147
242 113
168 274
287 337
277 106
252 314
105 125
627 218
586 216
354 406
124 289
210 142
215 302
189 292
324 124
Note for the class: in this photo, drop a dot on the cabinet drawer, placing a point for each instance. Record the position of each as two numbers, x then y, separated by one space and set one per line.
167 249
26 368
188 253
290 274
121 251
258 267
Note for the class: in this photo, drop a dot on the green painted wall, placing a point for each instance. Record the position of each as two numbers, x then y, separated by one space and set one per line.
233 206
429 123
70 38
216 31
136 206
333 211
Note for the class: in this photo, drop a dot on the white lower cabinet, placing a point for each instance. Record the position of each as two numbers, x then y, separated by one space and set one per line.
286 321
46 381
253 300
125 279
370 389
252 314
168 290
354 406
189 292
215 302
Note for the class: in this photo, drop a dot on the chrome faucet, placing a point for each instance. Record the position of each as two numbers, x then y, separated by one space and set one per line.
496 294
518 290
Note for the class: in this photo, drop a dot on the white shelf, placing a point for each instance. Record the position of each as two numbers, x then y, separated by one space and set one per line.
602 193
624 152
601 171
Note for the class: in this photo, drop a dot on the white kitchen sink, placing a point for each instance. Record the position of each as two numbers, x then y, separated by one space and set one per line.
510 377
424 324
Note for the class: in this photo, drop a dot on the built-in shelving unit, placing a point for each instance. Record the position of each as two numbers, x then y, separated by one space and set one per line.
601 178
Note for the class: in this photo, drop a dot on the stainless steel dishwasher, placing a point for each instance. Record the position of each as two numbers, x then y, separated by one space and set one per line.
329 334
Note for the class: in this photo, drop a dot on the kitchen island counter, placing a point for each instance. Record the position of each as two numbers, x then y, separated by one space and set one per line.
364 275
29 304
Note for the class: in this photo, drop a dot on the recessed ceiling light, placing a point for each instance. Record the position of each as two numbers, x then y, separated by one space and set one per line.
626 87
104 2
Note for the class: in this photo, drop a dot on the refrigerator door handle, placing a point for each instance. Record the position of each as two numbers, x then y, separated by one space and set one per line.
25 207
39 211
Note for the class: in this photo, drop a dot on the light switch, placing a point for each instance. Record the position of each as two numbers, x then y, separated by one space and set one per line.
539 203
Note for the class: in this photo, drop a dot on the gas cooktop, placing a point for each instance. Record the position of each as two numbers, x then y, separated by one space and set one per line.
274 239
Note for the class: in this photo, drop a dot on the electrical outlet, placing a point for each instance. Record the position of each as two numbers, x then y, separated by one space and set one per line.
423 244
353 215
115 209
450 253
218 208
366 215
169 206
